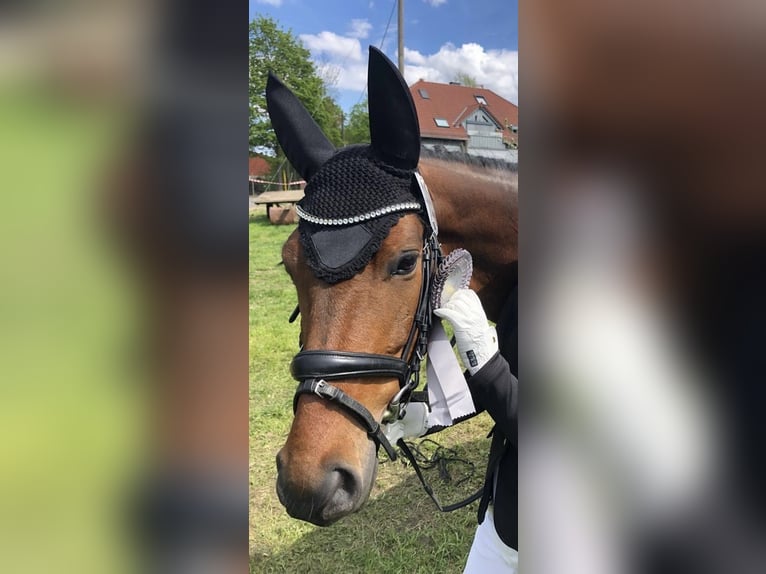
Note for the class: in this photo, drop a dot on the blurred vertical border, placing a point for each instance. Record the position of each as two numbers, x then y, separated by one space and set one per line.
642 281
123 337
123 234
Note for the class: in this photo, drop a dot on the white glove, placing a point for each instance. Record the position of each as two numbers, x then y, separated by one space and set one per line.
413 424
476 339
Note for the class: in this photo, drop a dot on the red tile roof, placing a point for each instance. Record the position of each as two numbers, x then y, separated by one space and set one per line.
453 103
258 166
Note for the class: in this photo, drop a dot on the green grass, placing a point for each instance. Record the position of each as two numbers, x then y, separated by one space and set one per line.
399 530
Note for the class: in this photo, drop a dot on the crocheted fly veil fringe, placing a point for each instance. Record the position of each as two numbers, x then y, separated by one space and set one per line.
356 194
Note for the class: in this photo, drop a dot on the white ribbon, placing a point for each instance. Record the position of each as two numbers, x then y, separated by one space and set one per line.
448 393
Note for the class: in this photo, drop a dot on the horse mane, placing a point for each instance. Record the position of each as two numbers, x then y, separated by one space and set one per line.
439 152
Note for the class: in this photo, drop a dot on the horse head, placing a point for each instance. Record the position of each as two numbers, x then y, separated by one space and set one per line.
360 261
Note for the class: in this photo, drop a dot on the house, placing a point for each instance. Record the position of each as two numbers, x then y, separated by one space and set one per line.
464 118
258 172
258 167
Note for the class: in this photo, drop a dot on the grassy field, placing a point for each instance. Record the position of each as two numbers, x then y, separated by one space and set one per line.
399 530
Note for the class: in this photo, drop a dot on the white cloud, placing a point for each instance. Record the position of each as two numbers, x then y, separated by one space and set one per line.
497 70
360 28
353 77
414 57
331 45
340 57
276 3
435 3
343 59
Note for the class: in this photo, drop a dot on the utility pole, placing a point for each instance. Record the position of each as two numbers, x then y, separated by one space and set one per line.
400 30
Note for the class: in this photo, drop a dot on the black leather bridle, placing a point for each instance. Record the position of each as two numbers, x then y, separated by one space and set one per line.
313 369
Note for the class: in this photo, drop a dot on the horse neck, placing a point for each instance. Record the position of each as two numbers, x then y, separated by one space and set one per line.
477 209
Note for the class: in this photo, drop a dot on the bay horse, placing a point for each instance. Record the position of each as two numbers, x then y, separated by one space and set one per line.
328 464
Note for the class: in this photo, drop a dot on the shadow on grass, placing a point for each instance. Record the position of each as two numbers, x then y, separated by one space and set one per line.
260 218
397 531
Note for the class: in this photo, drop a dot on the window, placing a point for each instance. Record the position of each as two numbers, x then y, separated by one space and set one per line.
481 100
423 93
441 122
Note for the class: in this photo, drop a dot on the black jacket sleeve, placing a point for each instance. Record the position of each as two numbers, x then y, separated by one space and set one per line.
496 390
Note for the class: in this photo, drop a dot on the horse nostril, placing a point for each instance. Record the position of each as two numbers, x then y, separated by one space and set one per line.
346 486
348 481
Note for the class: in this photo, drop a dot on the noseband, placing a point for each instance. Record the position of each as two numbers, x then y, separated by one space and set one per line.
313 369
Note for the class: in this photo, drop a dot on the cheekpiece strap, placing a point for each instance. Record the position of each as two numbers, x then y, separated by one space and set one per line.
430 210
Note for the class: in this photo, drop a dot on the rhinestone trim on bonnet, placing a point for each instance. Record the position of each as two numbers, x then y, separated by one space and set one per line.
396 208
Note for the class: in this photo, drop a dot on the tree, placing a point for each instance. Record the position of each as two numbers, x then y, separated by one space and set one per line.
279 51
466 80
332 120
357 128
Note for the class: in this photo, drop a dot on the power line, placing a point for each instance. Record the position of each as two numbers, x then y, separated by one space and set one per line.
380 47
390 16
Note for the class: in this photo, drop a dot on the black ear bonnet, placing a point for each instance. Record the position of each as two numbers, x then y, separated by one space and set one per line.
356 194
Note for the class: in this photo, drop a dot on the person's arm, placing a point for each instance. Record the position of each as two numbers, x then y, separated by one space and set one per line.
492 385
496 390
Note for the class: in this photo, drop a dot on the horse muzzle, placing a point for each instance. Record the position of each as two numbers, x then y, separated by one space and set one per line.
325 496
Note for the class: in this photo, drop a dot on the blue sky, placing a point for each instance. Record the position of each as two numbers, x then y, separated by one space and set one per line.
441 38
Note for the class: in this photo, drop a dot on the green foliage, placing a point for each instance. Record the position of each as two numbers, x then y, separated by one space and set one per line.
466 80
331 116
357 128
273 49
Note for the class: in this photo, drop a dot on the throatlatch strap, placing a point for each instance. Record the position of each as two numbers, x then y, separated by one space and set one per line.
450 507
325 390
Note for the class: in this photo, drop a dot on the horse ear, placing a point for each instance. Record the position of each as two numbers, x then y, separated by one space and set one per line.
394 128
305 146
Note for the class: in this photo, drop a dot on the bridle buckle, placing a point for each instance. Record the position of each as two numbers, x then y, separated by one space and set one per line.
319 386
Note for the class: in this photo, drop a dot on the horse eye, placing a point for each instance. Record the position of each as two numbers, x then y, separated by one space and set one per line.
406 264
